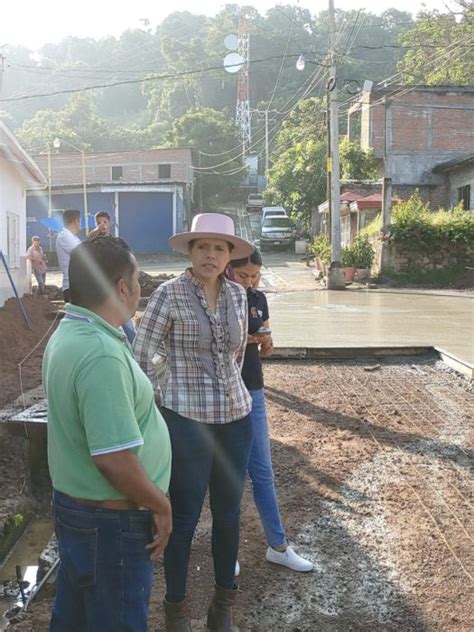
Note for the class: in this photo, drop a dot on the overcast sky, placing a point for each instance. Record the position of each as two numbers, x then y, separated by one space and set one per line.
33 23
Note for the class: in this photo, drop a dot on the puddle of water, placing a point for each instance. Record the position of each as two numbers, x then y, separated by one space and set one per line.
24 558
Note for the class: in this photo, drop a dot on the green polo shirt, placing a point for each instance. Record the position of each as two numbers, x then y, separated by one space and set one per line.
99 401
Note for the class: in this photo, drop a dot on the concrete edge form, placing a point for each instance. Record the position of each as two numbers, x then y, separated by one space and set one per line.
341 353
461 366
309 353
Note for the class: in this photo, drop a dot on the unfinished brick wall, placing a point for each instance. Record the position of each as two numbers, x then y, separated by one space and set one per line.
424 120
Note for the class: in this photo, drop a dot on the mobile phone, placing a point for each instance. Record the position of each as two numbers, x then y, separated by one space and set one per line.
263 331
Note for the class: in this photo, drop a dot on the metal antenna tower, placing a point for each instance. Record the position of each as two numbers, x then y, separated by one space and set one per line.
242 113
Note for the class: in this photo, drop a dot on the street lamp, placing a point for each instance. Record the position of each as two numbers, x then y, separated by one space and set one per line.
57 145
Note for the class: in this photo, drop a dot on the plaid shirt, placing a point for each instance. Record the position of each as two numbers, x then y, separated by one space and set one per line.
174 320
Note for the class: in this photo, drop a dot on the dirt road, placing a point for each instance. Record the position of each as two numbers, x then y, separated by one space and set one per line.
372 467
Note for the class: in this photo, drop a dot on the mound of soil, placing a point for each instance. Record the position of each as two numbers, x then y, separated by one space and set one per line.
17 341
149 283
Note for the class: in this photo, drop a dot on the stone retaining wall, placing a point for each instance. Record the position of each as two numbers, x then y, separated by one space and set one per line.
394 257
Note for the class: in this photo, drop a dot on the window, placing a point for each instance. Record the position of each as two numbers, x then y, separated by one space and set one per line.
164 171
117 173
464 196
13 240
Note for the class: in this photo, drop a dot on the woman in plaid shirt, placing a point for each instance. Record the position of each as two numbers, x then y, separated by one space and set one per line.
199 321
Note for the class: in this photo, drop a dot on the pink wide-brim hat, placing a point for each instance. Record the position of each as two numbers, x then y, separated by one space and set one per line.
215 226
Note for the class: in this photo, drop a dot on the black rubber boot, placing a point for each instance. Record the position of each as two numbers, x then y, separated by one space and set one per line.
176 617
220 615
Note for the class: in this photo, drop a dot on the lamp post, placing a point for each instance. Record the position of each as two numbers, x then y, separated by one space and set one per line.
57 144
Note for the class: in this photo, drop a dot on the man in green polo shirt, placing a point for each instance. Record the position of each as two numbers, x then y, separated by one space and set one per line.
108 450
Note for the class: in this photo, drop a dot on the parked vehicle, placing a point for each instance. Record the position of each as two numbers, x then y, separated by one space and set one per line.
273 210
277 230
254 202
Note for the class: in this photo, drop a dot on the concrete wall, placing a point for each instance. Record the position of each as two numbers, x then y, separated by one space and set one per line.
12 199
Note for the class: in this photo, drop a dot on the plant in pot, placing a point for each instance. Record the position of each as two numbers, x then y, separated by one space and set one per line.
321 248
347 262
363 256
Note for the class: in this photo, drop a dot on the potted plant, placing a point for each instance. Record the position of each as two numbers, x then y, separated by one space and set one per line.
321 248
363 256
348 263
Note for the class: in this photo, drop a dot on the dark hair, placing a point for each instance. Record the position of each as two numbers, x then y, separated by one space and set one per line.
230 244
255 258
95 267
100 214
70 216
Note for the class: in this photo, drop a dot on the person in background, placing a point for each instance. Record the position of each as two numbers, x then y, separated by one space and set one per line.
38 260
201 318
103 225
66 241
103 229
109 450
246 272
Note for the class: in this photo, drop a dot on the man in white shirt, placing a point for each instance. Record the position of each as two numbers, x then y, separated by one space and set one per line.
66 241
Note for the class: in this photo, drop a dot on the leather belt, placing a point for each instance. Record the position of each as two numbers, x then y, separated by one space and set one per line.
118 504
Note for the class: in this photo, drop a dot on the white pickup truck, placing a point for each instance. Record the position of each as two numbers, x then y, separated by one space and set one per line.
254 202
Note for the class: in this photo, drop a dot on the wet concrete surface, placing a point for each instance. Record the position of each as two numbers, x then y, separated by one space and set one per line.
373 318
302 315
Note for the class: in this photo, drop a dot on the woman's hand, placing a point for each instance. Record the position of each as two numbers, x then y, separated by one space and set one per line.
266 349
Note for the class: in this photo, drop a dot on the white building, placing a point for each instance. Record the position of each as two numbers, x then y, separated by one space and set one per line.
18 172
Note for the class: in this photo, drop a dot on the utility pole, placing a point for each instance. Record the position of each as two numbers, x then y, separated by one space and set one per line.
50 205
336 279
265 114
84 184
387 180
2 68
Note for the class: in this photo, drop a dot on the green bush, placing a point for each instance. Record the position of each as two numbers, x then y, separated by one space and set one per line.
417 228
321 247
359 255
363 253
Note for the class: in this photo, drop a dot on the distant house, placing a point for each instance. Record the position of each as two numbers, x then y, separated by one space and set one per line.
361 202
458 180
18 173
148 193
412 130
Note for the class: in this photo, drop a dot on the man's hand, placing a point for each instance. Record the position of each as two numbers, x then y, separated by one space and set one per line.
124 472
163 527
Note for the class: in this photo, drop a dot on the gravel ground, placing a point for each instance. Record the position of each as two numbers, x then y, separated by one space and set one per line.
372 465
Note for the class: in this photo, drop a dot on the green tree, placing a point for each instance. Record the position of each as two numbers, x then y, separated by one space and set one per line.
217 151
441 50
297 178
356 164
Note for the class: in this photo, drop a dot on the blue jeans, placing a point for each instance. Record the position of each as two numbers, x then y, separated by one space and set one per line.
105 572
261 472
205 455
130 330
41 280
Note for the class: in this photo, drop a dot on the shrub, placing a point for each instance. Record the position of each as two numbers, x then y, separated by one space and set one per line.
417 228
363 253
359 255
321 247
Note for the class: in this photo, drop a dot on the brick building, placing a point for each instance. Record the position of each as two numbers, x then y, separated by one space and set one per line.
148 193
412 130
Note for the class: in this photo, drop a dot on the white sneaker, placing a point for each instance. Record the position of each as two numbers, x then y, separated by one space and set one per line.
237 569
290 559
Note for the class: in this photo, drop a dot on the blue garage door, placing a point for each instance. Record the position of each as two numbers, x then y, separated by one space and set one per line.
146 220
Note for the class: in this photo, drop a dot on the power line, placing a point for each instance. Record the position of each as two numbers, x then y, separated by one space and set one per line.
145 79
